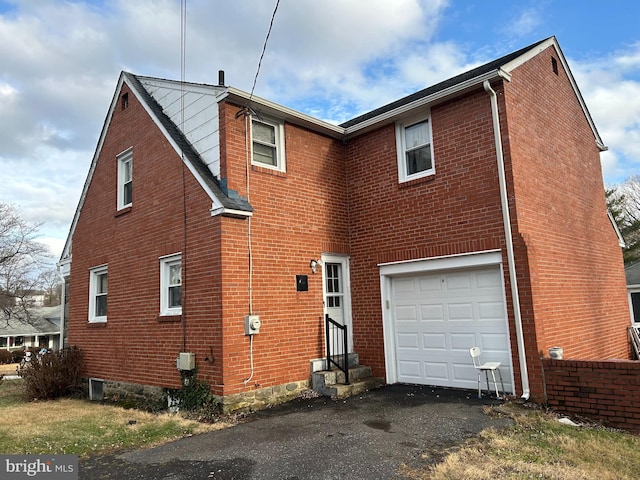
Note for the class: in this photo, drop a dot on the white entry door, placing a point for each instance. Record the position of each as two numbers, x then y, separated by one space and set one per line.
337 300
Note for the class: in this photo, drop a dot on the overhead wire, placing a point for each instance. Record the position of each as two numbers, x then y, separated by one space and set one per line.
247 112
183 63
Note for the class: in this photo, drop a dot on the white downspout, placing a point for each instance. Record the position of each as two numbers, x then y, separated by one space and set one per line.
62 302
506 218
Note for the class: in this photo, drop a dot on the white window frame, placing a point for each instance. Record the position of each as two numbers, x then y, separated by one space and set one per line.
278 127
94 273
124 158
165 263
401 148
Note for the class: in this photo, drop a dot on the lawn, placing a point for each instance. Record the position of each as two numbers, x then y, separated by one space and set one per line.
538 446
80 427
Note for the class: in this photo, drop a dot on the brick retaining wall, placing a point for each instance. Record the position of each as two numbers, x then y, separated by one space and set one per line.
604 390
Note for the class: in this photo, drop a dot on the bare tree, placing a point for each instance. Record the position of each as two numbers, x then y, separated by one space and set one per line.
22 259
623 202
51 285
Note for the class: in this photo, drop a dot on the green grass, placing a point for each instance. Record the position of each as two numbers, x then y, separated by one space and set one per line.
79 427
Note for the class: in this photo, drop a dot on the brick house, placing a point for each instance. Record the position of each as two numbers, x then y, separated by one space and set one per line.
469 213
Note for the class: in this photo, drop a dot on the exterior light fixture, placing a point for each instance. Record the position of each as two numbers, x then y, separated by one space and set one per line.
314 265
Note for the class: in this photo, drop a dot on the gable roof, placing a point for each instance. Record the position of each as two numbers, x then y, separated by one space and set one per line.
472 75
499 68
222 203
231 205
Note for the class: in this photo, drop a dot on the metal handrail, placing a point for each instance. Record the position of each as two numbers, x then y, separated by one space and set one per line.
634 334
332 342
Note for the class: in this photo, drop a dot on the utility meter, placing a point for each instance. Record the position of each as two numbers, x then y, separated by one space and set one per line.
252 324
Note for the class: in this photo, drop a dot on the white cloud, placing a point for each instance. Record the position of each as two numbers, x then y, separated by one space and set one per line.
611 89
526 22
332 59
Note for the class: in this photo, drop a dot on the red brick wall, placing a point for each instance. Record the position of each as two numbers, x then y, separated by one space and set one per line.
298 215
602 390
576 287
455 211
135 345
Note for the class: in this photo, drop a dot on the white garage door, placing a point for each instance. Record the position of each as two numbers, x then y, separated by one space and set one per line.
438 316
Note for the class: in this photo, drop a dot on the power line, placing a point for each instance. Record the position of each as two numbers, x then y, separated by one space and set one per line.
264 49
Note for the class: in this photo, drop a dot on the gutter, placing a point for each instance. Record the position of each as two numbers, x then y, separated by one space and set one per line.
440 95
506 218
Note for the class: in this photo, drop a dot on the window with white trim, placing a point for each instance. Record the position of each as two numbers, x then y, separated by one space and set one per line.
267 146
171 285
98 294
415 149
125 179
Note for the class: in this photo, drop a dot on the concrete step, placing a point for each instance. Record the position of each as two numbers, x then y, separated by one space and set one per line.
321 363
343 391
323 378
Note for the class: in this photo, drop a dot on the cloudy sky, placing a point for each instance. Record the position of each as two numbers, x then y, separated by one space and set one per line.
334 59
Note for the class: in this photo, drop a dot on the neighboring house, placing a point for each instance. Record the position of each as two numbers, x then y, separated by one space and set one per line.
632 273
42 330
469 213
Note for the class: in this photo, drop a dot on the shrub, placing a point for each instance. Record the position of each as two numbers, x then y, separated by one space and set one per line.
52 375
5 357
17 355
195 397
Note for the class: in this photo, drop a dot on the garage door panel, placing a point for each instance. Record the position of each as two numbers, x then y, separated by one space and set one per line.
465 373
489 279
460 312
461 341
432 313
490 311
408 341
439 316
491 343
406 313
436 370
409 370
429 284
435 341
458 282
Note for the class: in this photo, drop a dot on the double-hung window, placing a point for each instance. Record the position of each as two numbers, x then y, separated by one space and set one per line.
267 144
171 285
415 149
98 294
125 179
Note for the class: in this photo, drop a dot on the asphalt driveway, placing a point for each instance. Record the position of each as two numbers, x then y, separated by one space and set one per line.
364 437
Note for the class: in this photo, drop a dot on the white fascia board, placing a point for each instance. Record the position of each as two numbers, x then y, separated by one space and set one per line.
116 95
515 63
176 147
285 113
462 260
621 241
441 95
215 211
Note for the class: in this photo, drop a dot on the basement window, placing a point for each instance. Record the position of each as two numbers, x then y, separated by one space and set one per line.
96 389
